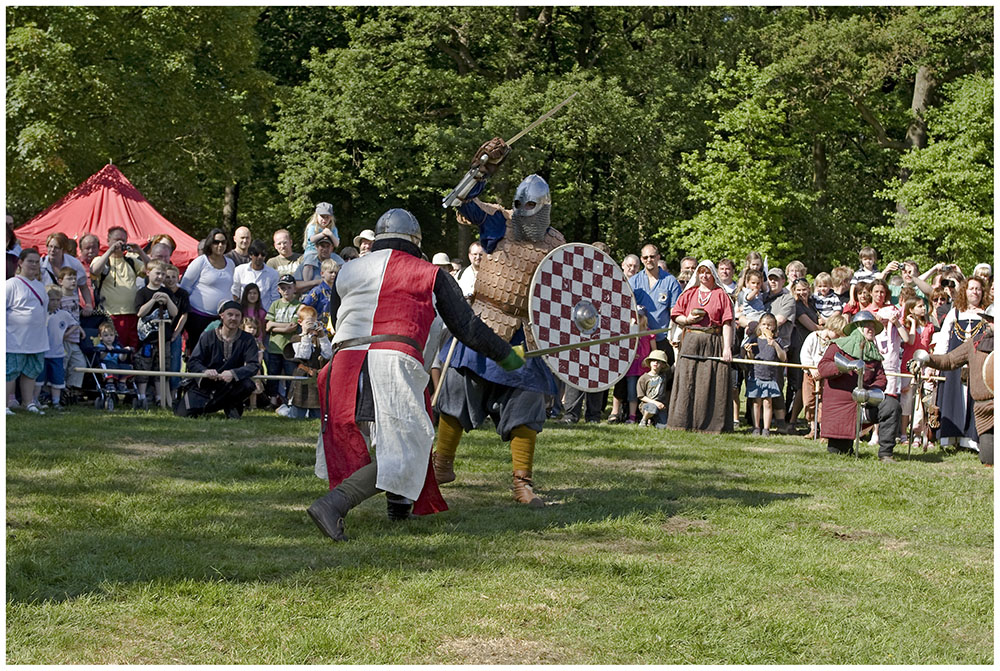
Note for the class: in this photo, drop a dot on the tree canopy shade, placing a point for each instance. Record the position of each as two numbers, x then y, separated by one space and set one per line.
164 92
801 132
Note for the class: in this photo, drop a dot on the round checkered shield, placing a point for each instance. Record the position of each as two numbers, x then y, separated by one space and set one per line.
579 294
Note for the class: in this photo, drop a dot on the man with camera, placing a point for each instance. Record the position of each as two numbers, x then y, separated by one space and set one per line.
910 272
116 274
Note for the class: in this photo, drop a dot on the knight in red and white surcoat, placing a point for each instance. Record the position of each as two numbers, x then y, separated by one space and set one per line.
373 392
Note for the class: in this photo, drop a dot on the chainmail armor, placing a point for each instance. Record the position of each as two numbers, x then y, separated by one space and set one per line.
531 228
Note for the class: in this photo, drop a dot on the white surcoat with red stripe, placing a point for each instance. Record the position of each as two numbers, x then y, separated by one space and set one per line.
388 292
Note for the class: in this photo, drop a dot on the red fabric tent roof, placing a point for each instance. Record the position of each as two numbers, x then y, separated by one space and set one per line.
106 199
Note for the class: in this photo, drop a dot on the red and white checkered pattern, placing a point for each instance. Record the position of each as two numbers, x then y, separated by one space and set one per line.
570 274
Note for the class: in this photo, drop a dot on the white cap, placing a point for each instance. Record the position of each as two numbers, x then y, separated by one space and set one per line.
441 259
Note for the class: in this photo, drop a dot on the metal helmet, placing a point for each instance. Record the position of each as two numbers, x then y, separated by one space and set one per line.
988 315
398 223
863 317
532 206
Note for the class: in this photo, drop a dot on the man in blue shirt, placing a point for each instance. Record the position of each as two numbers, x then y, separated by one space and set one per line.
656 290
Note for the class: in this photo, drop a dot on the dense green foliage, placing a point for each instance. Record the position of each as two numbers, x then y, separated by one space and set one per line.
799 132
154 540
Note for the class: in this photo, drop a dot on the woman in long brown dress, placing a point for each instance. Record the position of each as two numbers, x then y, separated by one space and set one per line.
700 399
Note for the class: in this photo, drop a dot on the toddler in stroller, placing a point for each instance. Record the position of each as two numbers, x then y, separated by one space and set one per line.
109 354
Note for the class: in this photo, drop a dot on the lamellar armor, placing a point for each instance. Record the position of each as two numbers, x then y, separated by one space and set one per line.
504 278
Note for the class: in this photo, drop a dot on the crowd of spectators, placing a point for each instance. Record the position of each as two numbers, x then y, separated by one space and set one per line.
707 314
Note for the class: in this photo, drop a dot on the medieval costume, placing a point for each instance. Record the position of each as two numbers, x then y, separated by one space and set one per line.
974 352
475 388
219 351
701 395
374 390
839 408
958 425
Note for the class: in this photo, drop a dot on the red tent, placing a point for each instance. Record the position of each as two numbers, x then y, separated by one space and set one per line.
106 199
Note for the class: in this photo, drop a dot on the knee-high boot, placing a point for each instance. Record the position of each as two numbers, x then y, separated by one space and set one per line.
522 451
448 435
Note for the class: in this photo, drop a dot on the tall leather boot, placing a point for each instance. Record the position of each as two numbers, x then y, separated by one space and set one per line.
524 490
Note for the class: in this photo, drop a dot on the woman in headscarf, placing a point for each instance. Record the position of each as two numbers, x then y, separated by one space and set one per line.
700 399
839 408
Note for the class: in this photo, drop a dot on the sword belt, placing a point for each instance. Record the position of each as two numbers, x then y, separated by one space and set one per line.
715 330
385 337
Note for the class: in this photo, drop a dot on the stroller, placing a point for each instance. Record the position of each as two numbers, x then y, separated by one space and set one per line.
110 389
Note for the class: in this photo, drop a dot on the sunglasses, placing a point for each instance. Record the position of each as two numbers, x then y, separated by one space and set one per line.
651 256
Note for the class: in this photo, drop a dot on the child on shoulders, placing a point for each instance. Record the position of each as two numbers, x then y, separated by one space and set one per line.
824 301
750 301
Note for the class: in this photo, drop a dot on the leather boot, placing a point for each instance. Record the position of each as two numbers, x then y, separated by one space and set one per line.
524 490
398 507
328 513
444 468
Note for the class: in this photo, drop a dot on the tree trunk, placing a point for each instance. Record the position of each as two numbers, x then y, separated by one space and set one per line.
916 134
229 203
819 170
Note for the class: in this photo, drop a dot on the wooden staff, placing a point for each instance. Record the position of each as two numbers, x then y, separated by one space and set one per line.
444 369
778 364
161 338
165 374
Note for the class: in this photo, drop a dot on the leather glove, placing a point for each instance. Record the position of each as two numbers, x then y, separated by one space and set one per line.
514 360
496 151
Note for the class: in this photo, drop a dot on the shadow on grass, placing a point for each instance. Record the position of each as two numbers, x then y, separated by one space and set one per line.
249 524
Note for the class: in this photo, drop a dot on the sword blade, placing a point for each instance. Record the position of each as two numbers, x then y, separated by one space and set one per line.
592 343
540 120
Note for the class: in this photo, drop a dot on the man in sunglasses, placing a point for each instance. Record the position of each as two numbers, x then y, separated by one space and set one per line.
656 290
256 272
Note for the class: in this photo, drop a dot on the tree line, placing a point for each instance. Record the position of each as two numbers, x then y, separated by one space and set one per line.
799 132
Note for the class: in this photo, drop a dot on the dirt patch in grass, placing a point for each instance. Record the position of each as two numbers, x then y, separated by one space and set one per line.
142 450
503 650
679 525
767 450
890 543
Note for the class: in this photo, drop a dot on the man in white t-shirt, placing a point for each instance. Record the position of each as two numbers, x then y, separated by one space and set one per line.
256 272
467 278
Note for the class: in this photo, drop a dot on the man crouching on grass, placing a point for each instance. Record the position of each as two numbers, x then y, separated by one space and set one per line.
229 359
374 391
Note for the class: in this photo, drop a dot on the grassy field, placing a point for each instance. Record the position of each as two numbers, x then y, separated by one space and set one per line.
141 538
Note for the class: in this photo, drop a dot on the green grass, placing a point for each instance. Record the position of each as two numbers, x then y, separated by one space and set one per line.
135 538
